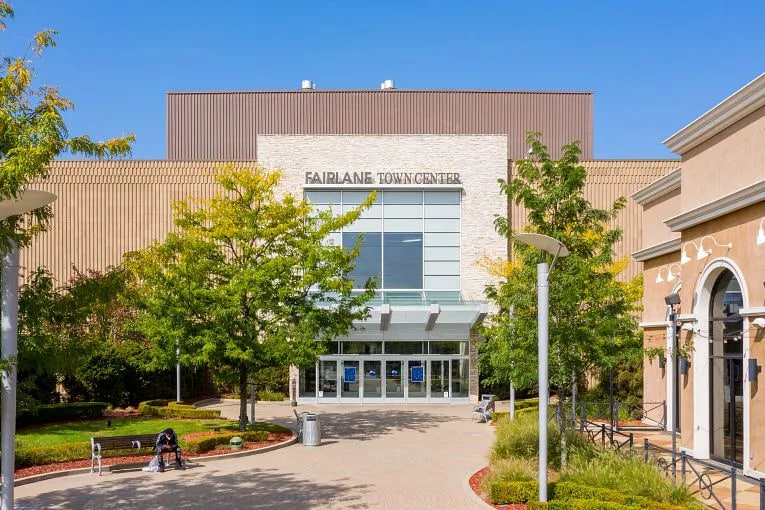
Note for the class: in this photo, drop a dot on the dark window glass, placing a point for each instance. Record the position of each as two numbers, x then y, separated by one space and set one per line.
369 260
404 348
362 348
448 347
403 260
308 381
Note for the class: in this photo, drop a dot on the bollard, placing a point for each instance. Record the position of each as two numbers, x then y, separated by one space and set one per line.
602 435
632 441
733 487
762 493
645 450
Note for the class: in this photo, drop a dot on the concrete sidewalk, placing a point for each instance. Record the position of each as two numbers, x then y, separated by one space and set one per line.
392 456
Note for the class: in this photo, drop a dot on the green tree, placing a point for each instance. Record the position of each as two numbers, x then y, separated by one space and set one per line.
247 280
588 304
33 133
61 327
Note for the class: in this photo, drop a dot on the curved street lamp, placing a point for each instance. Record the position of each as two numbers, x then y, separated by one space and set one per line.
9 311
556 249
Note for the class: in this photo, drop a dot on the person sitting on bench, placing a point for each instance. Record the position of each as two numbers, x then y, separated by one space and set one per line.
167 441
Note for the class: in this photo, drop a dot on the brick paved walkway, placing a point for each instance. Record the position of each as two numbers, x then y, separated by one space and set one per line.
394 456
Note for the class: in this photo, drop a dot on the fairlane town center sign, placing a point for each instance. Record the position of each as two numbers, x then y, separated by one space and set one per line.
382 178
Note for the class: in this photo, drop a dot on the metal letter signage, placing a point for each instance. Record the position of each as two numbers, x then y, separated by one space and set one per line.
352 178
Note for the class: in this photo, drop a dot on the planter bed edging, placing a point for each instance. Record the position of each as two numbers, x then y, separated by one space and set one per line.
130 466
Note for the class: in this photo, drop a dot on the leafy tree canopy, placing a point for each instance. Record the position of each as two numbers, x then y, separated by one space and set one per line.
33 132
248 279
589 305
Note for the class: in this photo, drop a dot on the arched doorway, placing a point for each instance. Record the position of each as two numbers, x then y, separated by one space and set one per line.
726 370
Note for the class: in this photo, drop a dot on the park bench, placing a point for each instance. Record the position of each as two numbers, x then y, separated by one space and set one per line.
138 442
483 411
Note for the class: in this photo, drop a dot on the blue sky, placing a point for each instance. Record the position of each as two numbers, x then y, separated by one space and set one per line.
653 66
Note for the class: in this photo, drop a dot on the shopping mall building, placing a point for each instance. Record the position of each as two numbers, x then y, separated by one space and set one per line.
434 158
703 248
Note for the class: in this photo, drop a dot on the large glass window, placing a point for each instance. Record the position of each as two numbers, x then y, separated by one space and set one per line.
403 261
369 260
411 239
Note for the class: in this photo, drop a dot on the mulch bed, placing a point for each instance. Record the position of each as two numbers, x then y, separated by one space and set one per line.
475 484
273 438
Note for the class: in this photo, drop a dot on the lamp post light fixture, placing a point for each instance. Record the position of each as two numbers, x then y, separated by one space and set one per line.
9 311
556 249
673 303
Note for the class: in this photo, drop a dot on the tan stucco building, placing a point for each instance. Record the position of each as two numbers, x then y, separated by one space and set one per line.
703 240
433 156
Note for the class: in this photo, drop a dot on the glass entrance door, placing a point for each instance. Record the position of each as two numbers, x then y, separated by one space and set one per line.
350 380
394 388
728 409
327 390
417 376
439 379
372 380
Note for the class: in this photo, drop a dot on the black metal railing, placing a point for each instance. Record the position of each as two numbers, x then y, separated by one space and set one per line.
700 476
601 434
650 415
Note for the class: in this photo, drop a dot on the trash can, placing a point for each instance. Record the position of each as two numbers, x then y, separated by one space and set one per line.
311 430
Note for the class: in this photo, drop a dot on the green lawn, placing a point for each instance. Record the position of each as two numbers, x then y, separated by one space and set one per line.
82 431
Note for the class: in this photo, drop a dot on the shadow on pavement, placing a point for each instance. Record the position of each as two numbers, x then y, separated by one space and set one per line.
367 424
249 488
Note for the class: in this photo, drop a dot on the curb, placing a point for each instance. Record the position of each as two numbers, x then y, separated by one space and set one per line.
475 497
136 465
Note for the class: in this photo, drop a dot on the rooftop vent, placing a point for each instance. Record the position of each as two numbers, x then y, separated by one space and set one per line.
307 85
387 85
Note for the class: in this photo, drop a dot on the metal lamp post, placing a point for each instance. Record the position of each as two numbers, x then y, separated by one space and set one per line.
9 311
556 249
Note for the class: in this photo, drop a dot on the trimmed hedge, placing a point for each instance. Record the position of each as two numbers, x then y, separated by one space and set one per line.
505 493
60 412
580 504
26 457
570 495
166 409
207 443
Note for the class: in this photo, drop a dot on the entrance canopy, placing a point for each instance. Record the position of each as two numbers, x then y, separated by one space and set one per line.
419 315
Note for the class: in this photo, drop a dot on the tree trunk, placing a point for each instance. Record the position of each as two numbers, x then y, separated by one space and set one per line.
243 398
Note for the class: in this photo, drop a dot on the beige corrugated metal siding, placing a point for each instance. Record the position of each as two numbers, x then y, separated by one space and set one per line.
107 208
224 125
608 180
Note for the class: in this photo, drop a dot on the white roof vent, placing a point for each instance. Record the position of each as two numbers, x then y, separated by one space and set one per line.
307 85
387 85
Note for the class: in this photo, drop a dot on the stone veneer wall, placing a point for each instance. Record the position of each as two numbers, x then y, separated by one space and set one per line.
479 159
473 383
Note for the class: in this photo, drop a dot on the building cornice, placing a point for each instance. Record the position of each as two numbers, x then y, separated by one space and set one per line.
741 103
657 250
720 207
659 187
654 324
752 311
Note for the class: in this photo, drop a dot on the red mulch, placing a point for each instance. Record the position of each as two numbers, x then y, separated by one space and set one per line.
475 484
273 438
